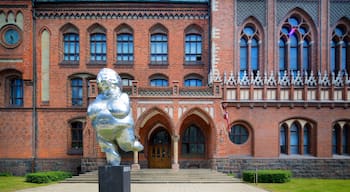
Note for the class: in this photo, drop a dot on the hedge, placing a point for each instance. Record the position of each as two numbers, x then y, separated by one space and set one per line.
46 177
5 174
267 176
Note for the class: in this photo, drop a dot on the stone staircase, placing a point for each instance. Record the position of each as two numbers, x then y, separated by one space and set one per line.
164 176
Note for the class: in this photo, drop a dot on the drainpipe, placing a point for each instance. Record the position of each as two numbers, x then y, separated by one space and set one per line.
209 38
34 95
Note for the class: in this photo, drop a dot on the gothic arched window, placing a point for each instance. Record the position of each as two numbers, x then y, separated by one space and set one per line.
249 49
295 45
340 49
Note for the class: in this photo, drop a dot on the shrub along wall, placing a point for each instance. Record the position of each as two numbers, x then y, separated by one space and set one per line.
267 176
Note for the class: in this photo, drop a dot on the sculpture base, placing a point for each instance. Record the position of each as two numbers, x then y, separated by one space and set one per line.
114 179
135 167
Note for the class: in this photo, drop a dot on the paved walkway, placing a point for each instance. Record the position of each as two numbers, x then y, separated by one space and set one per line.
173 187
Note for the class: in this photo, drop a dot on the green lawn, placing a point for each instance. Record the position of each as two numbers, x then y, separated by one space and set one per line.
10 184
309 185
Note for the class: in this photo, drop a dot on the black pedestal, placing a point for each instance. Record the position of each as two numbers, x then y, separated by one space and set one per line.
114 179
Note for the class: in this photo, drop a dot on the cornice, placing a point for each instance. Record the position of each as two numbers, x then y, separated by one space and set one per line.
121 13
13 6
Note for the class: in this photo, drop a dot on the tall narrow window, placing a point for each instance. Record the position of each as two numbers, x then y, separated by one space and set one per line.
295 45
294 139
293 54
306 56
307 132
193 48
254 57
71 47
16 92
98 49
346 139
333 57
243 56
193 142
283 139
249 50
282 56
159 49
340 49
336 135
125 48
76 133
77 92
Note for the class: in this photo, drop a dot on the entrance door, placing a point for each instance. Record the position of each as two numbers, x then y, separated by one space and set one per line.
159 149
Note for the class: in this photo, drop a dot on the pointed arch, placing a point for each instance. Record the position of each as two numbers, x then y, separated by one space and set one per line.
144 119
124 28
193 28
341 137
251 50
298 135
158 28
19 19
10 17
69 28
2 18
340 47
299 29
195 129
96 28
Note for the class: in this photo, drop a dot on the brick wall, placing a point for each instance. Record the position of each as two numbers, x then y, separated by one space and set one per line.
300 167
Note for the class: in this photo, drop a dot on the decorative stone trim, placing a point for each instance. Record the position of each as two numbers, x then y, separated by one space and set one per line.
75 13
340 79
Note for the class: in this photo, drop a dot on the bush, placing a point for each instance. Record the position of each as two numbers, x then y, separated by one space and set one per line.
268 176
5 174
46 177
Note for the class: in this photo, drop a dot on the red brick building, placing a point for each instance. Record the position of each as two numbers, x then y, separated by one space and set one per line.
223 84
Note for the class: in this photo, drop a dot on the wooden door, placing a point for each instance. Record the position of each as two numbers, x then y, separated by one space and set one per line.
159 153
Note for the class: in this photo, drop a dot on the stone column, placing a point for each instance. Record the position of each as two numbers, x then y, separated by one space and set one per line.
136 165
175 165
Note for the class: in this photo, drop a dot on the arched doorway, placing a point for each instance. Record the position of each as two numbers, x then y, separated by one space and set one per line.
159 149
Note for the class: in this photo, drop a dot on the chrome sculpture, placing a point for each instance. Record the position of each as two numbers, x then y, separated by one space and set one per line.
112 118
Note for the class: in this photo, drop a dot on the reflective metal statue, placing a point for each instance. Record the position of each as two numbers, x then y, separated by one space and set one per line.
111 117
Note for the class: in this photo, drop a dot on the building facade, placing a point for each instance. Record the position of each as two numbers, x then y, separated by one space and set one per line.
224 84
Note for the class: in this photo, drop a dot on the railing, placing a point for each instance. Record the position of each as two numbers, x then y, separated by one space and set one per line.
293 86
174 90
288 87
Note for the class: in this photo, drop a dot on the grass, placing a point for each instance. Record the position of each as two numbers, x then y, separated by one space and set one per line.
308 185
13 183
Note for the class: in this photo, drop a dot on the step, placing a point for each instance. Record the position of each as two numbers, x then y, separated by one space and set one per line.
164 176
